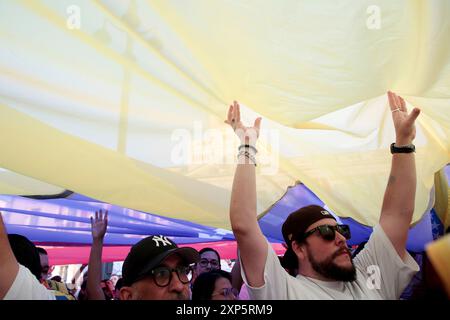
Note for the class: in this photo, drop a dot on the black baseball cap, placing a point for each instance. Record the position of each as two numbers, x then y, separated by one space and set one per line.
299 221
149 253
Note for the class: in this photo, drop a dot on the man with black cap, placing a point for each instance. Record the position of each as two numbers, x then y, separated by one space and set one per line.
157 269
316 243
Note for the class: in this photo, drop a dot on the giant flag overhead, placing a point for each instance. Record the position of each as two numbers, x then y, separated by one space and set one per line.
124 100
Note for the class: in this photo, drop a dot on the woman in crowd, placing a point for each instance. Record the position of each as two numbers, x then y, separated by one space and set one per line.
214 285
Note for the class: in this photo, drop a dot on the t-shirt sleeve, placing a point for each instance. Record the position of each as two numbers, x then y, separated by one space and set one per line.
27 287
386 271
275 280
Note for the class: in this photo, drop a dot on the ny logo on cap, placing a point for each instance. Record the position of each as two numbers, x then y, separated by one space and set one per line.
164 241
325 213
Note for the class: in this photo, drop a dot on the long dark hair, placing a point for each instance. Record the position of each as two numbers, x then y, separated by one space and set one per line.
205 283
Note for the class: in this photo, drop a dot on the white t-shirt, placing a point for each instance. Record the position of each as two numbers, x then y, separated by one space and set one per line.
380 274
27 287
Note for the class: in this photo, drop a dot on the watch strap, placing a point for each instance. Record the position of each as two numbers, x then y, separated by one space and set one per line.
409 148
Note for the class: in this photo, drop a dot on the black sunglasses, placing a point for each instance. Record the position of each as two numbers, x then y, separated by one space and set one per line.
328 232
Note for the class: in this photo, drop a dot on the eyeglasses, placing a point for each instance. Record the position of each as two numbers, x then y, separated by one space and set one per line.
204 263
328 232
163 275
227 292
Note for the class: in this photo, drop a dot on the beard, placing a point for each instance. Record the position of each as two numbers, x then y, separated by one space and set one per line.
329 269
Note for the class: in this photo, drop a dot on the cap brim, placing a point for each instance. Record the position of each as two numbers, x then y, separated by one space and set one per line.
190 255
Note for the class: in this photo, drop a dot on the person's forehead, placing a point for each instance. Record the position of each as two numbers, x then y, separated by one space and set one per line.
211 255
322 222
222 283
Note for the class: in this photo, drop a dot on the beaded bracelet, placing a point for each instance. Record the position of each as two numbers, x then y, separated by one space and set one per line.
247 146
248 155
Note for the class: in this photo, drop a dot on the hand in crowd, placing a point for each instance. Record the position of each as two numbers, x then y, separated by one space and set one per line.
99 224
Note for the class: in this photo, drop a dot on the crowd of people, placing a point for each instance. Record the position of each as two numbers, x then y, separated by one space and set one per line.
155 268
317 263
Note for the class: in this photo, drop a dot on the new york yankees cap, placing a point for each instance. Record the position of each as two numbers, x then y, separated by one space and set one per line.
149 253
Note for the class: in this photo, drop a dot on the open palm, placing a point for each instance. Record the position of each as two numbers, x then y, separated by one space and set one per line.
247 135
99 224
405 129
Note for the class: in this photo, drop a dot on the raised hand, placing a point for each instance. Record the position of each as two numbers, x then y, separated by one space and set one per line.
247 135
405 129
99 224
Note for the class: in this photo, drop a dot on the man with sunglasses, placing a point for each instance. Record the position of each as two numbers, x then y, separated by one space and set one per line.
316 244
157 269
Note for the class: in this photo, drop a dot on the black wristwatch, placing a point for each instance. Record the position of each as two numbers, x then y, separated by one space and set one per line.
402 149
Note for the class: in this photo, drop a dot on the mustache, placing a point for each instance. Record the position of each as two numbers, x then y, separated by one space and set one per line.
340 251
181 296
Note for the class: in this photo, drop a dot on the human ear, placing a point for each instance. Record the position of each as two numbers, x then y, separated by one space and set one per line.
299 250
127 293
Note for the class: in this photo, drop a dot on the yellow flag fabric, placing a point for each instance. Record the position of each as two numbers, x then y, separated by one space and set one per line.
124 100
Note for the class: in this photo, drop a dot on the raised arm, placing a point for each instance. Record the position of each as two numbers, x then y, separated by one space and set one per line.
98 228
399 197
251 241
8 263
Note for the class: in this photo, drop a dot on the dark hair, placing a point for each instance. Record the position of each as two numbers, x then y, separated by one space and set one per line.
205 283
26 253
119 284
42 251
288 266
209 249
290 262
56 278
82 294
